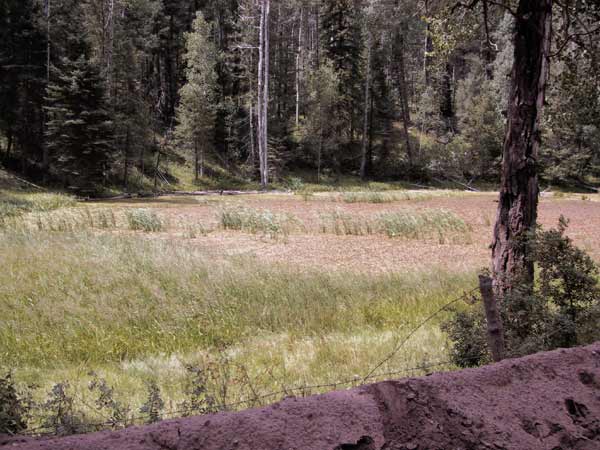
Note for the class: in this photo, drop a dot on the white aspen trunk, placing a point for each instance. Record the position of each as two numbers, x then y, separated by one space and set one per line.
264 93
298 69
259 103
252 149
363 163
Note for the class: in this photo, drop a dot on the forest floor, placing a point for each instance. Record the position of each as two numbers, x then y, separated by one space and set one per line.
263 293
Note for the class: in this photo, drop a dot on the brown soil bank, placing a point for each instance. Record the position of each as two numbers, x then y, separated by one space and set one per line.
545 401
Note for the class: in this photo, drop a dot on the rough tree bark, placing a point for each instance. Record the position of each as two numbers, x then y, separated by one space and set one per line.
517 209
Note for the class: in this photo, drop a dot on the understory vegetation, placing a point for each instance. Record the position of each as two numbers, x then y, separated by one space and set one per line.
562 311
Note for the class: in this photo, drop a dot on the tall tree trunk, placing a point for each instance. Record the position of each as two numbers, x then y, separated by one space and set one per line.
45 149
402 83
202 162
517 209
259 104
156 169
299 60
252 149
109 32
363 163
126 169
263 92
9 144
196 159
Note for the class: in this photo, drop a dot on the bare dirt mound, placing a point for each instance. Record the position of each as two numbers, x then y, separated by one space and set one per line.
545 401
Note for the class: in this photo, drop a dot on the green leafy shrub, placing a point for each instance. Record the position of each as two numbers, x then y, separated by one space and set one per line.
568 282
144 220
13 411
467 331
562 311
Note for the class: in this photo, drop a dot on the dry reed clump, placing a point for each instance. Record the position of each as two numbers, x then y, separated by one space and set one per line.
430 223
256 221
144 220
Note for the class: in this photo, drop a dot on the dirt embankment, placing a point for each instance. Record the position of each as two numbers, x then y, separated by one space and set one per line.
545 401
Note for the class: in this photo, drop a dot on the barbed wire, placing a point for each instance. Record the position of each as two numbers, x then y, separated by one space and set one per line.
174 414
414 330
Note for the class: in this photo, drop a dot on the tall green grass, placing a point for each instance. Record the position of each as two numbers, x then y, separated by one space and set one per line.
134 309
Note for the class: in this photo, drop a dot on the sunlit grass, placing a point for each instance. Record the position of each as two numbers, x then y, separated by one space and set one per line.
134 309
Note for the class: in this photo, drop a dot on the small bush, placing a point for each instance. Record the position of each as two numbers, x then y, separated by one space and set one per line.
144 220
295 184
154 404
13 411
568 283
343 224
198 399
116 413
468 333
60 415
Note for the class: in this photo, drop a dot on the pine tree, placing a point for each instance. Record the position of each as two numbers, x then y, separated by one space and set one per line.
196 111
342 41
78 128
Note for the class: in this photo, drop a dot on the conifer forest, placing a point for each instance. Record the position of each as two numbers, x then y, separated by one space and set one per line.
114 93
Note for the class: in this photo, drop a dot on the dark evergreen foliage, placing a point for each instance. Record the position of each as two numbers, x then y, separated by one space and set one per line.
437 95
78 129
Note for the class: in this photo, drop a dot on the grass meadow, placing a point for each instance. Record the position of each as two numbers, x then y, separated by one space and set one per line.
139 296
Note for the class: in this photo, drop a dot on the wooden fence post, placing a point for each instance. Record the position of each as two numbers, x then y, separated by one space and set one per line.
495 332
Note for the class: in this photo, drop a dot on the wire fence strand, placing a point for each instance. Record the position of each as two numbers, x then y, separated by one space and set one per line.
304 389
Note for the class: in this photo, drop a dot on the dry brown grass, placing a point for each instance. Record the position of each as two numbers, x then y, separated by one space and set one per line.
374 253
